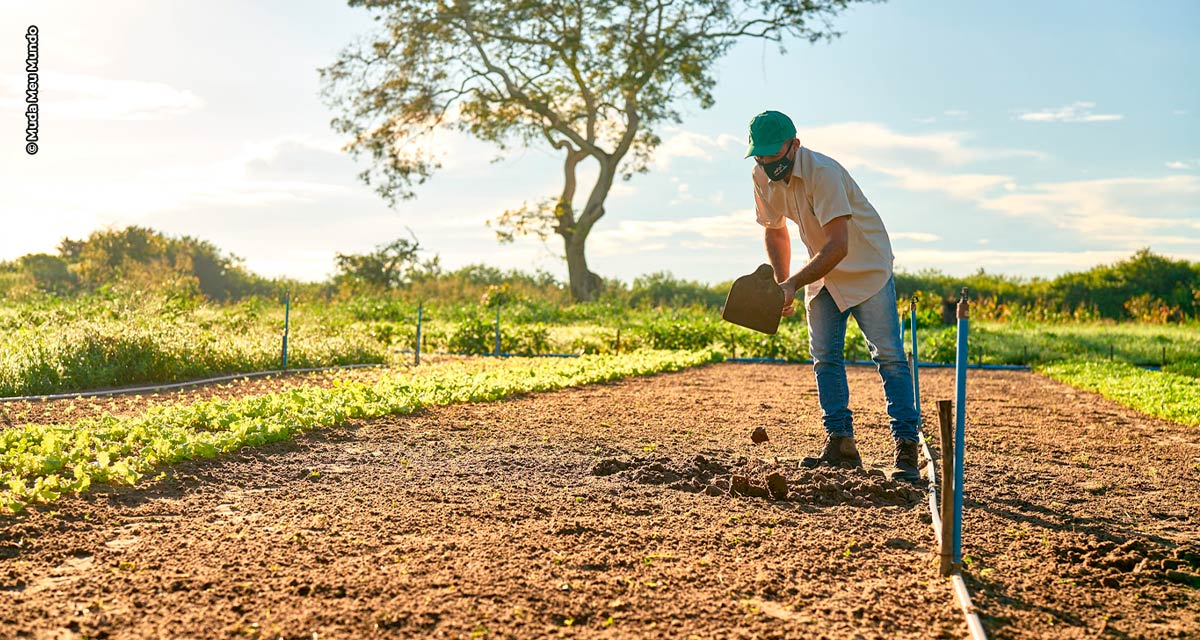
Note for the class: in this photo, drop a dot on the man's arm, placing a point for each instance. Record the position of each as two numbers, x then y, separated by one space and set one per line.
779 252
837 244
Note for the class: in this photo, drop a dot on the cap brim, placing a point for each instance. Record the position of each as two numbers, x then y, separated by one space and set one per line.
764 148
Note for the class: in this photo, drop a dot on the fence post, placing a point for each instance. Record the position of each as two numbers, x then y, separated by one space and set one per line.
946 418
417 357
916 360
287 316
960 387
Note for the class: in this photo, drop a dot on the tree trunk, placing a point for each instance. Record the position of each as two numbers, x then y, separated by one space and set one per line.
584 283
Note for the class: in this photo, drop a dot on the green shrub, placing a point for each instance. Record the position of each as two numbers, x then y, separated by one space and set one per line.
474 334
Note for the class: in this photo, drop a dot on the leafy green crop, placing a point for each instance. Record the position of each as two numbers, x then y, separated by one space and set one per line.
50 345
1161 394
39 463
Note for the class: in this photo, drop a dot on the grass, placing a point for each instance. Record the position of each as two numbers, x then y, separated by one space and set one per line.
40 463
50 345
1161 394
1041 343
96 343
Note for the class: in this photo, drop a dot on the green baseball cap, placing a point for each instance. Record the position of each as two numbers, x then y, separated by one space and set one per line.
768 131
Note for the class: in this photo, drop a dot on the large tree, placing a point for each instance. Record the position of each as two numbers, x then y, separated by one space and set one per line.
593 79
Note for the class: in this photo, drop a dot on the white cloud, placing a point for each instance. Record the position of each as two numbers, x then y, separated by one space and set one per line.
688 144
685 195
1179 112
1177 240
633 236
854 139
1074 112
963 186
72 96
1123 210
289 171
866 145
955 113
1178 164
849 142
915 161
917 236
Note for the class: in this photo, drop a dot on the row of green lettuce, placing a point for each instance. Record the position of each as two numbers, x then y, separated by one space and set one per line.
1162 394
40 463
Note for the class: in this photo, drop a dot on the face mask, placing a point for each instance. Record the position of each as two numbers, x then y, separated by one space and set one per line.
778 169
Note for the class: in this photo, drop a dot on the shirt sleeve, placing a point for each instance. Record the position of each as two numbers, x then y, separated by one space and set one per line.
830 199
766 216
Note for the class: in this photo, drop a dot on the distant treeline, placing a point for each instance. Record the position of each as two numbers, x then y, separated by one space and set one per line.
1145 287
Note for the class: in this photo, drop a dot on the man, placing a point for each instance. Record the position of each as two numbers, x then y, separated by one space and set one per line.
848 272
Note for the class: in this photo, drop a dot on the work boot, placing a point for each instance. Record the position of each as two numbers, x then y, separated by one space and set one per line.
838 450
906 461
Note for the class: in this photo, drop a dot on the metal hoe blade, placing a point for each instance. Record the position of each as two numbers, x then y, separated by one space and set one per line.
755 301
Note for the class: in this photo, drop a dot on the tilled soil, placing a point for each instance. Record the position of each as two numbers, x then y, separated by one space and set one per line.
1082 517
634 509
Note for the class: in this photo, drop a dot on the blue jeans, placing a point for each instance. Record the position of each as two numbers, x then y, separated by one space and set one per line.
880 324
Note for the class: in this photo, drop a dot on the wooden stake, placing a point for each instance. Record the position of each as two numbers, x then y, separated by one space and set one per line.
946 418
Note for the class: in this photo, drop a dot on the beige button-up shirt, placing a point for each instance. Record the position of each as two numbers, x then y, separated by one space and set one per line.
820 190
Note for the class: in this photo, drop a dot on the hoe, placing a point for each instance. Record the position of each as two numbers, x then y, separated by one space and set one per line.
755 301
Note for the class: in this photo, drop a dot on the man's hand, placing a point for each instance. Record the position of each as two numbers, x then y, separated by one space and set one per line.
789 297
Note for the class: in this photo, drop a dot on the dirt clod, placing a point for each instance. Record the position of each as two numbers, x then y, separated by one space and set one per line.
778 486
739 485
759 435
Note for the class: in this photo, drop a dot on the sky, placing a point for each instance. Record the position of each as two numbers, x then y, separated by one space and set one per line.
1025 137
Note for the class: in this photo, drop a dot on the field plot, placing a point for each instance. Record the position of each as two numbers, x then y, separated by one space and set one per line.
591 512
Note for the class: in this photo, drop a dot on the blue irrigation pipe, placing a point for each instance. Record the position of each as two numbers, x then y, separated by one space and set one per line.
539 355
916 360
960 414
496 352
927 365
287 315
982 367
417 349
767 361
